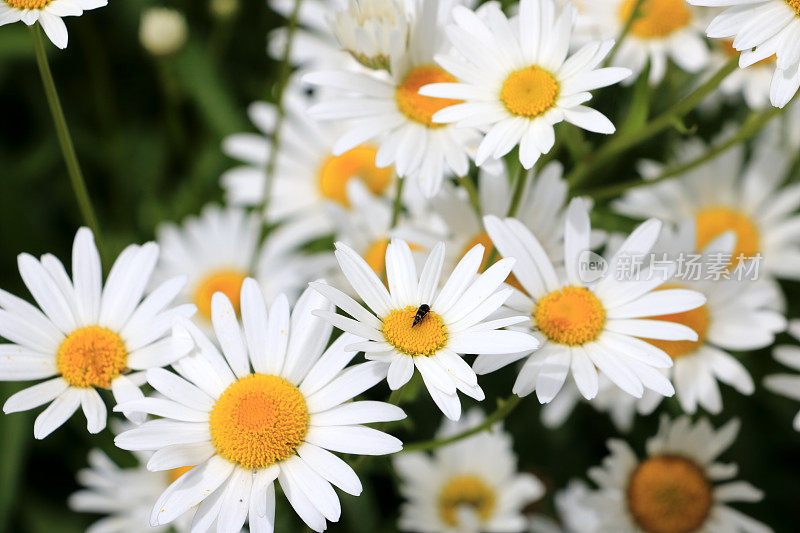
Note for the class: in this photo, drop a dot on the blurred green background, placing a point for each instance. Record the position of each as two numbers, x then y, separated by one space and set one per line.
148 135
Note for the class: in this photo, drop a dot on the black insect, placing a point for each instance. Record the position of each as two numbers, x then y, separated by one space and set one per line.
421 313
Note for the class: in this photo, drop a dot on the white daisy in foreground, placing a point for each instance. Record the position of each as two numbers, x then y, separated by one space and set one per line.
48 13
760 29
367 29
516 81
390 109
220 248
450 491
124 496
87 336
268 407
416 324
725 195
677 487
664 30
589 327
787 384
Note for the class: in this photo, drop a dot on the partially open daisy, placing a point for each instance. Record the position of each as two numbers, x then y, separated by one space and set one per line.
272 405
723 195
787 384
416 324
452 491
678 487
48 13
87 336
516 81
220 248
390 110
761 29
586 327
368 28
664 30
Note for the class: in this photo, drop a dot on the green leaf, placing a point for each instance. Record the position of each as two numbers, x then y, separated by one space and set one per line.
16 431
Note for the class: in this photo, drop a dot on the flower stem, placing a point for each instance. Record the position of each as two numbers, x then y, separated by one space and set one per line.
504 408
472 193
754 123
635 13
64 138
397 207
284 72
621 143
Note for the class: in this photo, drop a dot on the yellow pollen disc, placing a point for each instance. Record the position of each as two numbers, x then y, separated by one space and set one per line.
466 491
530 92
229 282
697 319
91 357
571 315
426 338
657 18
359 163
375 256
258 421
422 108
175 473
795 5
714 221
28 4
484 239
669 494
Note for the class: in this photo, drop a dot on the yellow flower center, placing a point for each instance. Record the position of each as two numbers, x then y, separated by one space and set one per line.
484 239
795 5
258 421
422 108
466 491
228 282
669 494
175 473
359 163
426 338
714 221
91 357
571 315
375 256
529 92
28 4
698 319
657 18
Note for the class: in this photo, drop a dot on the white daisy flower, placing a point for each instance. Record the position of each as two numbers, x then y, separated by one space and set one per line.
725 195
220 248
48 13
664 30
516 81
388 107
574 516
751 83
677 487
450 491
586 327
368 29
87 336
787 384
416 324
760 29
268 407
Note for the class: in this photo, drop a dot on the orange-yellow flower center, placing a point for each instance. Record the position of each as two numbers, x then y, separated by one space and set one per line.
227 281
466 491
698 319
336 172
175 473
426 338
571 315
375 256
484 239
656 18
795 5
714 221
422 108
529 92
91 357
259 420
669 494
28 4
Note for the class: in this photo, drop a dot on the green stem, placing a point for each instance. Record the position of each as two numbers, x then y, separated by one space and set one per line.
504 408
519 187
285 71
472 193
635 13
623 142
397 206
754 123
64 138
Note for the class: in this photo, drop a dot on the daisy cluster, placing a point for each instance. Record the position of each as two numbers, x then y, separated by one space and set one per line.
410 229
